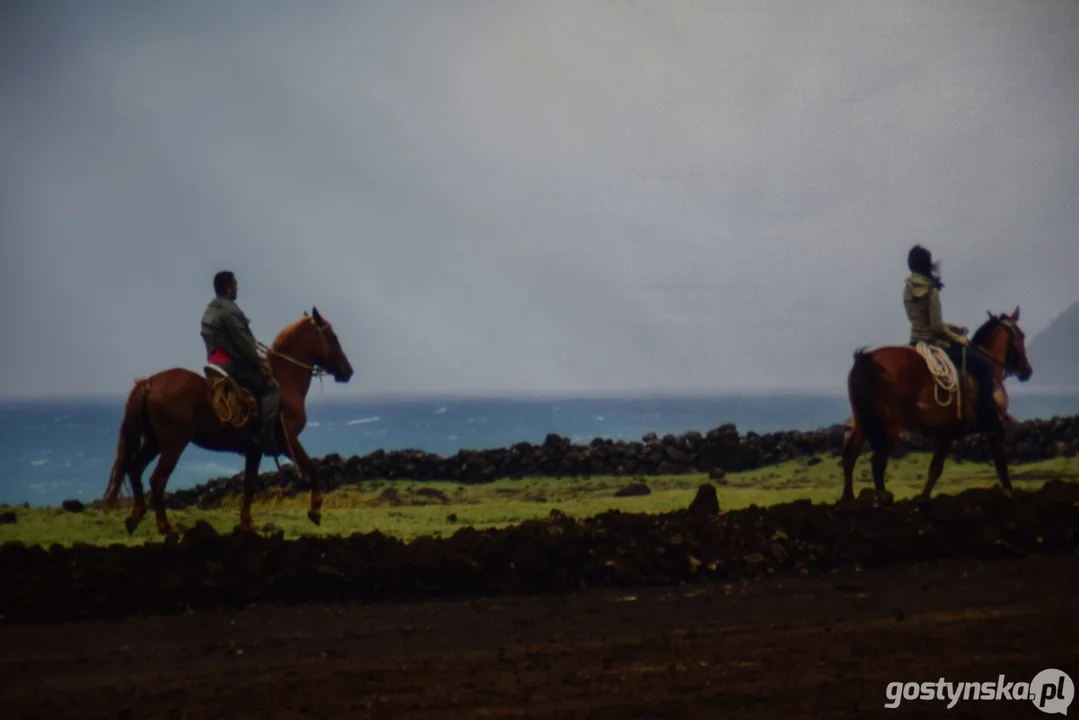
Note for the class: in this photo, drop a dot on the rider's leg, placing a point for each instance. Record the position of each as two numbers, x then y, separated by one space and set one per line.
955 354
253 381
270 400
988 409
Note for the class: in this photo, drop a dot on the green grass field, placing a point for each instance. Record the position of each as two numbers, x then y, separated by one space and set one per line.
364 508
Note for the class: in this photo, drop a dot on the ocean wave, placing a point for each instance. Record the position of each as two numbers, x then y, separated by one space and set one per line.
315 423
37 463
45 486
213 467
440 411
363 421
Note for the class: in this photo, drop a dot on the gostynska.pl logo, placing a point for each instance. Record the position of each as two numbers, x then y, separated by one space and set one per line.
1051 691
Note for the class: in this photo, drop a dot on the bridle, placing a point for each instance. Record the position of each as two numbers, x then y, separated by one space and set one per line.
315 369
1009 355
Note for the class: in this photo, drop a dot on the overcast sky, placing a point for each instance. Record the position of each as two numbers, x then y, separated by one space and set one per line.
524 197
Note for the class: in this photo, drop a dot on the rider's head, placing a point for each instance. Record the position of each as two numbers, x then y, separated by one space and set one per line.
225 284
920 261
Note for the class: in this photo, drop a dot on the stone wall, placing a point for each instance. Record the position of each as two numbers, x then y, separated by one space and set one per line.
722 449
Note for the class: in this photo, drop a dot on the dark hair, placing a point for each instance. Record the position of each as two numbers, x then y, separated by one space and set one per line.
223 281
920 260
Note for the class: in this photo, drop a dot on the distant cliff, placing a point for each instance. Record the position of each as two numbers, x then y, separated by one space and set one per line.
1054 352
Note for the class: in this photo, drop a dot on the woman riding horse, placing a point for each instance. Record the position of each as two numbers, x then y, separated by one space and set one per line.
921 297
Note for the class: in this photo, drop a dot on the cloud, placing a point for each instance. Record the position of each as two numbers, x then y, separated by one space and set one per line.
552 197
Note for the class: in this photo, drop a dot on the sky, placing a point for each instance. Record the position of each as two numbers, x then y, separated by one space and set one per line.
562 197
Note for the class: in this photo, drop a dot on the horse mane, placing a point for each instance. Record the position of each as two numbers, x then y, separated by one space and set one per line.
288 331
982 334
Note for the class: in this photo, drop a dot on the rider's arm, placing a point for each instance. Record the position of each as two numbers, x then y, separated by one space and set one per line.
243 340
936 322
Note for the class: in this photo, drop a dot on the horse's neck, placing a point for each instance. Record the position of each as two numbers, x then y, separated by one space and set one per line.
291 377
996 347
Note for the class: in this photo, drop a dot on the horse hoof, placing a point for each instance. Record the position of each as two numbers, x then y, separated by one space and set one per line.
245 528
314 517
131 524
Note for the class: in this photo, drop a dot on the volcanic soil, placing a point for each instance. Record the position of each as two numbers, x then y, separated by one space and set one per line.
793 611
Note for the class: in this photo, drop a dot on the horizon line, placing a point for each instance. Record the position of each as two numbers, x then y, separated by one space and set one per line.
489 395
538 395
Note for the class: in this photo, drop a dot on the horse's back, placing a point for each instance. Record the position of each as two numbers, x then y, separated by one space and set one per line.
886 358
873 351
173 381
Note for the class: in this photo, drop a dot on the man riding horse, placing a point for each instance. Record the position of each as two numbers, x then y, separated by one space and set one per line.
921 297
231 347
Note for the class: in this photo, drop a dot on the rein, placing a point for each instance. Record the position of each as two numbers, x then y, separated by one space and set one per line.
313 369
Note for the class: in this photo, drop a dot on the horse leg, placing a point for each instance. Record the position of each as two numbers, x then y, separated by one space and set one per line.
301 457
852 446
936 465
881 455
252 460
170 455
143 458
1001 461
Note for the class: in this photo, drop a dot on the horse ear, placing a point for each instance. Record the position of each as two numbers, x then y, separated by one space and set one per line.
305 313
1015 315
989 313
314 314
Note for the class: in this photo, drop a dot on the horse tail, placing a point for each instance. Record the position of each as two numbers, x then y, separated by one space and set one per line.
863 384
130 438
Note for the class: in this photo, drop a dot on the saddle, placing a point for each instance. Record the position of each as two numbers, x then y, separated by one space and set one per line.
233 404
945 376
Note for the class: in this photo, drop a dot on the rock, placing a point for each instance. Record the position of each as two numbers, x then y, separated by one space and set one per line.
432 493
719 450
8 518
389 496
705 501
72 506
633 490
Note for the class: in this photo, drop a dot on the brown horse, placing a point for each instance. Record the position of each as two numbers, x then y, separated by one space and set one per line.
892 389
167 411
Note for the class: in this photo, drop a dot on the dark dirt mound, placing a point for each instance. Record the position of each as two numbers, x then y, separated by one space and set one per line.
559 554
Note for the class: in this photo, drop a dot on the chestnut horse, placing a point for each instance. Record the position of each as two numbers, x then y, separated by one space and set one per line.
891 389
167 411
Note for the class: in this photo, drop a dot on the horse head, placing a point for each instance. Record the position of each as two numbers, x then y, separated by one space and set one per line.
316 336
1002 338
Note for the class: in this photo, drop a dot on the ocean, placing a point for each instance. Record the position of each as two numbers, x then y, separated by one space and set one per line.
59 449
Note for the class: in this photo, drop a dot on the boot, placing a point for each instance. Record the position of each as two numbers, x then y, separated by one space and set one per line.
261 427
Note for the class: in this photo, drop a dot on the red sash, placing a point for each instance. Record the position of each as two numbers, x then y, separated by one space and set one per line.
218 357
